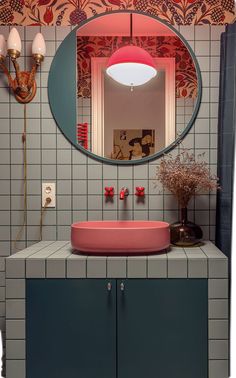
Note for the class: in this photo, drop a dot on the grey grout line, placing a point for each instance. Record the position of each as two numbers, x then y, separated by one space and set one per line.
66 267
102 190
187 258
87 202
86 267
194 134
207 262
26 216
55 38
133 198
209 203
41 141
33 250
218 359
167 266
50 252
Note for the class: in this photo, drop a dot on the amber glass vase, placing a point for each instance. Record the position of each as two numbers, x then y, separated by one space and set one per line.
185 233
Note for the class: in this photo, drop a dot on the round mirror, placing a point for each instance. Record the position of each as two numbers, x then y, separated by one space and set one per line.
124 87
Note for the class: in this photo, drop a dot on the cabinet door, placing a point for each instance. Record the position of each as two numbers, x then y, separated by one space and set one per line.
71 328
162 328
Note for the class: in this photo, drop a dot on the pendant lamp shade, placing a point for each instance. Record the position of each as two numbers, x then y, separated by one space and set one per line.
131 66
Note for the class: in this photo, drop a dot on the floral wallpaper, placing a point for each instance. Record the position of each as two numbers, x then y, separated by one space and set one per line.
158 47
72 12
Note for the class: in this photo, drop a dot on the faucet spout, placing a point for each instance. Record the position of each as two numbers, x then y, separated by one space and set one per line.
122 195
124 192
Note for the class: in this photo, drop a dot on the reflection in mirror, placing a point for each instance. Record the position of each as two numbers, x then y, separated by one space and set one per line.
123 122
131 120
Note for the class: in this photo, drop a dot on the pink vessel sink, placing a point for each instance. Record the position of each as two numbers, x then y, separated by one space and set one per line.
120 237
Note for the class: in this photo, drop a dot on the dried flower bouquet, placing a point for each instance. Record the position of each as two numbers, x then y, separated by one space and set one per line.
184 177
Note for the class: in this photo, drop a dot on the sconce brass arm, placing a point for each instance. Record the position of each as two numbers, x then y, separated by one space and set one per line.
24 84
32 75
6 72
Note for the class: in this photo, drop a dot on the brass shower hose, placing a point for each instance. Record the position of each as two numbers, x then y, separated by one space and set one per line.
21 229
48 200
43 210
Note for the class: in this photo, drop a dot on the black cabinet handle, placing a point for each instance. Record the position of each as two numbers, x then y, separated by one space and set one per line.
122 286
109 286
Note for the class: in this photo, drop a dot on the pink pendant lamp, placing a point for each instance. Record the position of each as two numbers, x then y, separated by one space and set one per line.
131 65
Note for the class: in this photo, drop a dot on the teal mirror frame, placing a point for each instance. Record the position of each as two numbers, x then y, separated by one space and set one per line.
62 91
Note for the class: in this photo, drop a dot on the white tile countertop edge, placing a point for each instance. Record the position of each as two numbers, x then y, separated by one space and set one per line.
56 260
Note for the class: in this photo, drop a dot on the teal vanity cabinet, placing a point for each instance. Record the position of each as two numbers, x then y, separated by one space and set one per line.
100 328
162 328
74 316
70 329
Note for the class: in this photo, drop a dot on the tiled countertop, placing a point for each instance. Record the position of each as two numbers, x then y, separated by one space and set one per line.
55 260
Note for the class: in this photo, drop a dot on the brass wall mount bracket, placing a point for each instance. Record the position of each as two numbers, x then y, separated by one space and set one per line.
24 84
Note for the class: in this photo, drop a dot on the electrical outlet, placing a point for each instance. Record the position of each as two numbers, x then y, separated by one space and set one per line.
49 191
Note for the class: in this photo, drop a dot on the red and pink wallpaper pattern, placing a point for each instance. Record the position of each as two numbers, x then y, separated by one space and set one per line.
158 47
72 12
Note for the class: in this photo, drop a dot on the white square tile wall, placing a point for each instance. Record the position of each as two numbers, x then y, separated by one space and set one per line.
80 180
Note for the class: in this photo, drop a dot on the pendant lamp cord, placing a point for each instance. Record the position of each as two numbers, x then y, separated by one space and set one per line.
24 135
131 28
131 40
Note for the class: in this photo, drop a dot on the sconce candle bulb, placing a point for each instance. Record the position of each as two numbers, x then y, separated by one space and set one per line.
14 44
3 48
38 48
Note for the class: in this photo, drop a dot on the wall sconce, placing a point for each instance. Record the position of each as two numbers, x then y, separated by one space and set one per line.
24 84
